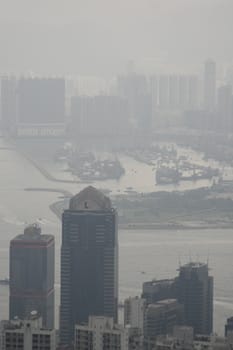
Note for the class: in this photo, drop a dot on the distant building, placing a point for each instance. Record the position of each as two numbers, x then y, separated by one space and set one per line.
174 92
195 292
209 86
164 91
26 335
157 290
99 116
101 334
89 261
193 93
41 107
184 92
32 275
134 312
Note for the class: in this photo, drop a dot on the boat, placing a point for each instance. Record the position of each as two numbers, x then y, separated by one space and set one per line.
166 175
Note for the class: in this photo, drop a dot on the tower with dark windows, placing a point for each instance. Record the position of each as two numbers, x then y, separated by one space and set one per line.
195 292
89 261
32 275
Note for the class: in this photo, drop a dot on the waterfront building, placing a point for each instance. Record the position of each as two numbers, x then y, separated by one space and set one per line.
101 334
209 85
134 312
89 261
195 292
32 275
26 335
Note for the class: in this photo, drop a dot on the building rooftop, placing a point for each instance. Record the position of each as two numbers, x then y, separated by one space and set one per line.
90 199
193 265
33 233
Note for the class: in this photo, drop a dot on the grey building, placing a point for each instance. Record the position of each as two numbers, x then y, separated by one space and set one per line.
26 335
101 334
32 275
209 85
195 292
89 261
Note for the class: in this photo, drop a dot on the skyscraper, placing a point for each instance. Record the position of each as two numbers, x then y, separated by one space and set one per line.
89 261
195 292
32 275
209 85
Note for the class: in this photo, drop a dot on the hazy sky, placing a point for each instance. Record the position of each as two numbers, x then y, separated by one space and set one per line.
100 36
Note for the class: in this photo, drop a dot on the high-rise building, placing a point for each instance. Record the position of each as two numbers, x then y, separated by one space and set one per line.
101 334
26 335
99 116
195 292
183 91
209 86
134 312
89 261
41 107
32 275
193 93
174 91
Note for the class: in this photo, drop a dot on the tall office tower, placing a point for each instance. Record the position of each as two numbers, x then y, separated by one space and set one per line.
134 312
156 290
225 109
163 92
161 318
174 91
196 294
209 86
89 261
134 88
32 275
9 104
26 335
101 334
